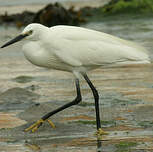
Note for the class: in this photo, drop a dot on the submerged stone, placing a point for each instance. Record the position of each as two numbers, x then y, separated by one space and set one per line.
17 99
23 79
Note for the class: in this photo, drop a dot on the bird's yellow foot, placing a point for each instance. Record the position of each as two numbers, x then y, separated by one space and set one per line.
37 124
101 132
51 123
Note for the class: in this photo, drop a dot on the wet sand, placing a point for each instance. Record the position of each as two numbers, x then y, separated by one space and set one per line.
126 105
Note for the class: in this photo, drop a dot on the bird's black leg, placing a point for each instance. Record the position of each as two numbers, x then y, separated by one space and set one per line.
35 126
96 97
74 102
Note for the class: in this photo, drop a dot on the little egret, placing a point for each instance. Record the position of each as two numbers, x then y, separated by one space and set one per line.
76 50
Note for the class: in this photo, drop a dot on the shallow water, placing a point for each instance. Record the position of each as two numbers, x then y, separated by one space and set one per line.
18 6
23 2
126 99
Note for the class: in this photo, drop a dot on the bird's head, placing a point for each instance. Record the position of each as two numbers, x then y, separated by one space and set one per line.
31 32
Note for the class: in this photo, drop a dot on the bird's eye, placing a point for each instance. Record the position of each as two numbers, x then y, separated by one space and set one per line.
30 32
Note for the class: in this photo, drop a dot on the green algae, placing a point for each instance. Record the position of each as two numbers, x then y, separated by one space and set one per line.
125 146
86 104
146 124
23 79
93 122
128 6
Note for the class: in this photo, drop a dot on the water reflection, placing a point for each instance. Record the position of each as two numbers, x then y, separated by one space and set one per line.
90 145
33 147
99 145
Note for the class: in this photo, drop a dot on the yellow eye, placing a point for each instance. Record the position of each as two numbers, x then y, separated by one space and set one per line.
30 32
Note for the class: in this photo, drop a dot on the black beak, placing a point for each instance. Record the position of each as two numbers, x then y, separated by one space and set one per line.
16 39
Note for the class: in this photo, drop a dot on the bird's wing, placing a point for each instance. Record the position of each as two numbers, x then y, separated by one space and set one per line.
78 33
79 46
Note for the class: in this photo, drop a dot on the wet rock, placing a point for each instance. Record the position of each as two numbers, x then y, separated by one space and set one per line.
56 14
18 19
36 111
87 11
17 99
127 6
52 14
118 7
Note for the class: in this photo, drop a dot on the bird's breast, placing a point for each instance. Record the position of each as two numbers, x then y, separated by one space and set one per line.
36 54
43 57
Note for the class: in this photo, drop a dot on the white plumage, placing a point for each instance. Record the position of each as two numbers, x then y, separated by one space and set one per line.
78 49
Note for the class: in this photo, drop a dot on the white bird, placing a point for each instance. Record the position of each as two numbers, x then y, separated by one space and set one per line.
76 50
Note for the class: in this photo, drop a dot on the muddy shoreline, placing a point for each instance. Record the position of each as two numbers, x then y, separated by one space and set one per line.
125 106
